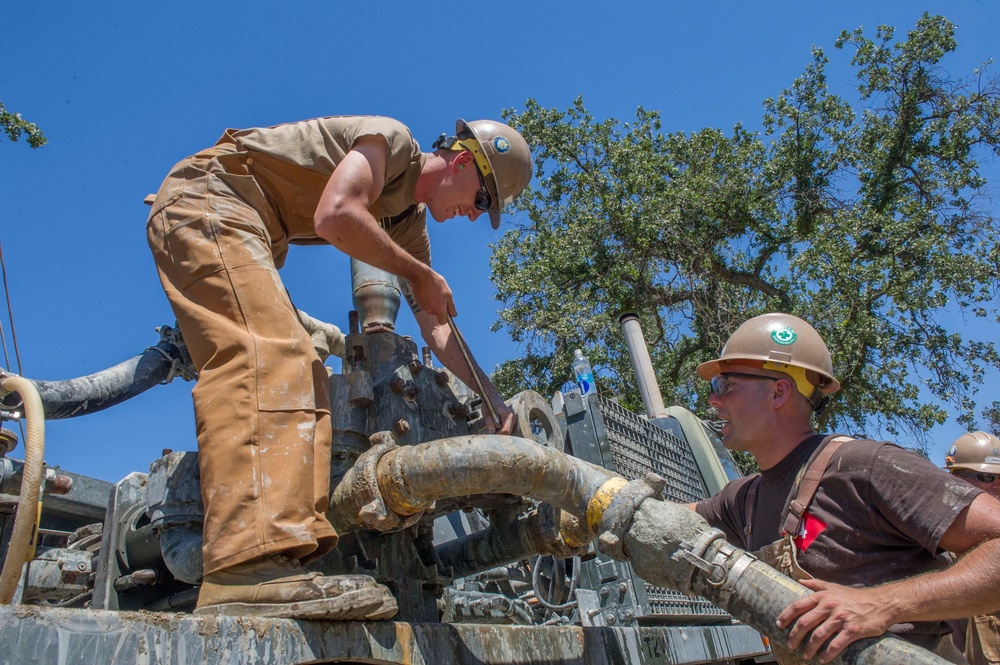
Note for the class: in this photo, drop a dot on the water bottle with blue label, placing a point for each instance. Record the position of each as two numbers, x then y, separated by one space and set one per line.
584 374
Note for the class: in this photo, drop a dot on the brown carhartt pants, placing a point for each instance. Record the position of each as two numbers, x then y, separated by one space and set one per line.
262 405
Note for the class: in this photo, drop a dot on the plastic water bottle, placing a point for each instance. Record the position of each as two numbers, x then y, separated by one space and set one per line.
584 373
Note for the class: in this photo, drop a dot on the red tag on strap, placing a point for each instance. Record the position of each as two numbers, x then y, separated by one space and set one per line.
811 527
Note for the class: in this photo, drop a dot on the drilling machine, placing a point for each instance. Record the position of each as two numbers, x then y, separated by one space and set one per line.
489 543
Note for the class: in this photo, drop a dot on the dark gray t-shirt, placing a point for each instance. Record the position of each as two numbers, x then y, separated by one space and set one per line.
877 516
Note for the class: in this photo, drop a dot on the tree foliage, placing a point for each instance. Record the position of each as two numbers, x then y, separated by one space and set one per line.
14 125
867 217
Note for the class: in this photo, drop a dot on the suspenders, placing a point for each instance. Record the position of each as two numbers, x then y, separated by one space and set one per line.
802 492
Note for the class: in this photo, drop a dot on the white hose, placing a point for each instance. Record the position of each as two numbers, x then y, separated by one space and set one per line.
34 469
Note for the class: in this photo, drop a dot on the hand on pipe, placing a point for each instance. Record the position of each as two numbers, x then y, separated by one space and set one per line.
826 622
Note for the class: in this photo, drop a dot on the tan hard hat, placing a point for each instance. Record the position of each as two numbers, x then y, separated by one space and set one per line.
504 160
781 343
976 451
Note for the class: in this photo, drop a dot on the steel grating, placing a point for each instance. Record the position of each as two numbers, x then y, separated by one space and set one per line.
639 447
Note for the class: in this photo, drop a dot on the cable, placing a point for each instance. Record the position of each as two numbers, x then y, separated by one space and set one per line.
10 316
574 580
13 333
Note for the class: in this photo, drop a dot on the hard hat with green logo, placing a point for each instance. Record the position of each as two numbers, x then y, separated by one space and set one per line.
780 343
976 451
502 157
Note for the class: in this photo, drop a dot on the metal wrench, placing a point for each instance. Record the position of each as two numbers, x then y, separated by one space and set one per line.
481 389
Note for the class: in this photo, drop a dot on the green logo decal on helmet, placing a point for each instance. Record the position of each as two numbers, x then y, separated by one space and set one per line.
784 335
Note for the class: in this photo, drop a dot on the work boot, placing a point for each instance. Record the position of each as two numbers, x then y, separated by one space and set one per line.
278 588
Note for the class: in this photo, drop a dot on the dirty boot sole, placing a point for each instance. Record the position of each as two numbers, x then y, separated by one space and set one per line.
356 605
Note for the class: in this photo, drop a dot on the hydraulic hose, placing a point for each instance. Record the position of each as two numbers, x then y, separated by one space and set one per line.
27 504
512 540
668 545
88 394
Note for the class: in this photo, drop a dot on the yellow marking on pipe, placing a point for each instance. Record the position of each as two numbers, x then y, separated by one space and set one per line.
396 499
570 540
601 500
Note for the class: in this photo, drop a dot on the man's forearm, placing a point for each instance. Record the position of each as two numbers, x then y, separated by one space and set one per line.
969 588
359 236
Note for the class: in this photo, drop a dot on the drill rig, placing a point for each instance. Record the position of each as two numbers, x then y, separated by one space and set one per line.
562 544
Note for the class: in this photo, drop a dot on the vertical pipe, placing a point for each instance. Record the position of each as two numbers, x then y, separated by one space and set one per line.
652 399
376 297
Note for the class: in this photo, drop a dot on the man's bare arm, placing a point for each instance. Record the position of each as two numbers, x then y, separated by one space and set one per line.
343 219
442 342
971 587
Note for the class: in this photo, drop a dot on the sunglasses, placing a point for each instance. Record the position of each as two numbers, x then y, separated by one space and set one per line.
483 199
981 476
721 384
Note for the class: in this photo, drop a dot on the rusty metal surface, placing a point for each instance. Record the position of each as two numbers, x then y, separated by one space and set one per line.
43 636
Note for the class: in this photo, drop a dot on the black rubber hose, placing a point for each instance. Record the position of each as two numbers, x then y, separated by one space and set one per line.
494 546
98 391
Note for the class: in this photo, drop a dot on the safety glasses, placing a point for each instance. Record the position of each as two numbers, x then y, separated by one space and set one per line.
483 199
981 476
721 384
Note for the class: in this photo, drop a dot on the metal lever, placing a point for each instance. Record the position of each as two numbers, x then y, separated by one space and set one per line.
494 416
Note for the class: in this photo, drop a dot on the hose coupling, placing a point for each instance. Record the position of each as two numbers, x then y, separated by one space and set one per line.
363 482
617 517
714 563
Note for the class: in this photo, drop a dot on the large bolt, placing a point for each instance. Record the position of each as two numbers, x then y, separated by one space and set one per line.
459 410
397 385
402 426
415 367
441 378
411 390
61 485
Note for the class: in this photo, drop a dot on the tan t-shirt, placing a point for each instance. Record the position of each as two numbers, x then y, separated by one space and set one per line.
292 163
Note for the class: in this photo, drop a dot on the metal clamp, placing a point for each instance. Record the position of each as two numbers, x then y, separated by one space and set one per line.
721 568
618 517
695 553
374 514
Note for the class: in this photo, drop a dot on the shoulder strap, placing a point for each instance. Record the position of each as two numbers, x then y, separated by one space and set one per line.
749 504
809 483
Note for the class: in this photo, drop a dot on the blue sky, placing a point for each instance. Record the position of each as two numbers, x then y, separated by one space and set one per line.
123 90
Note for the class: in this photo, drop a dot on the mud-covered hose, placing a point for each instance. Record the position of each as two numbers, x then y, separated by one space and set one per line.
34 469
410 479
669 545
104 389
